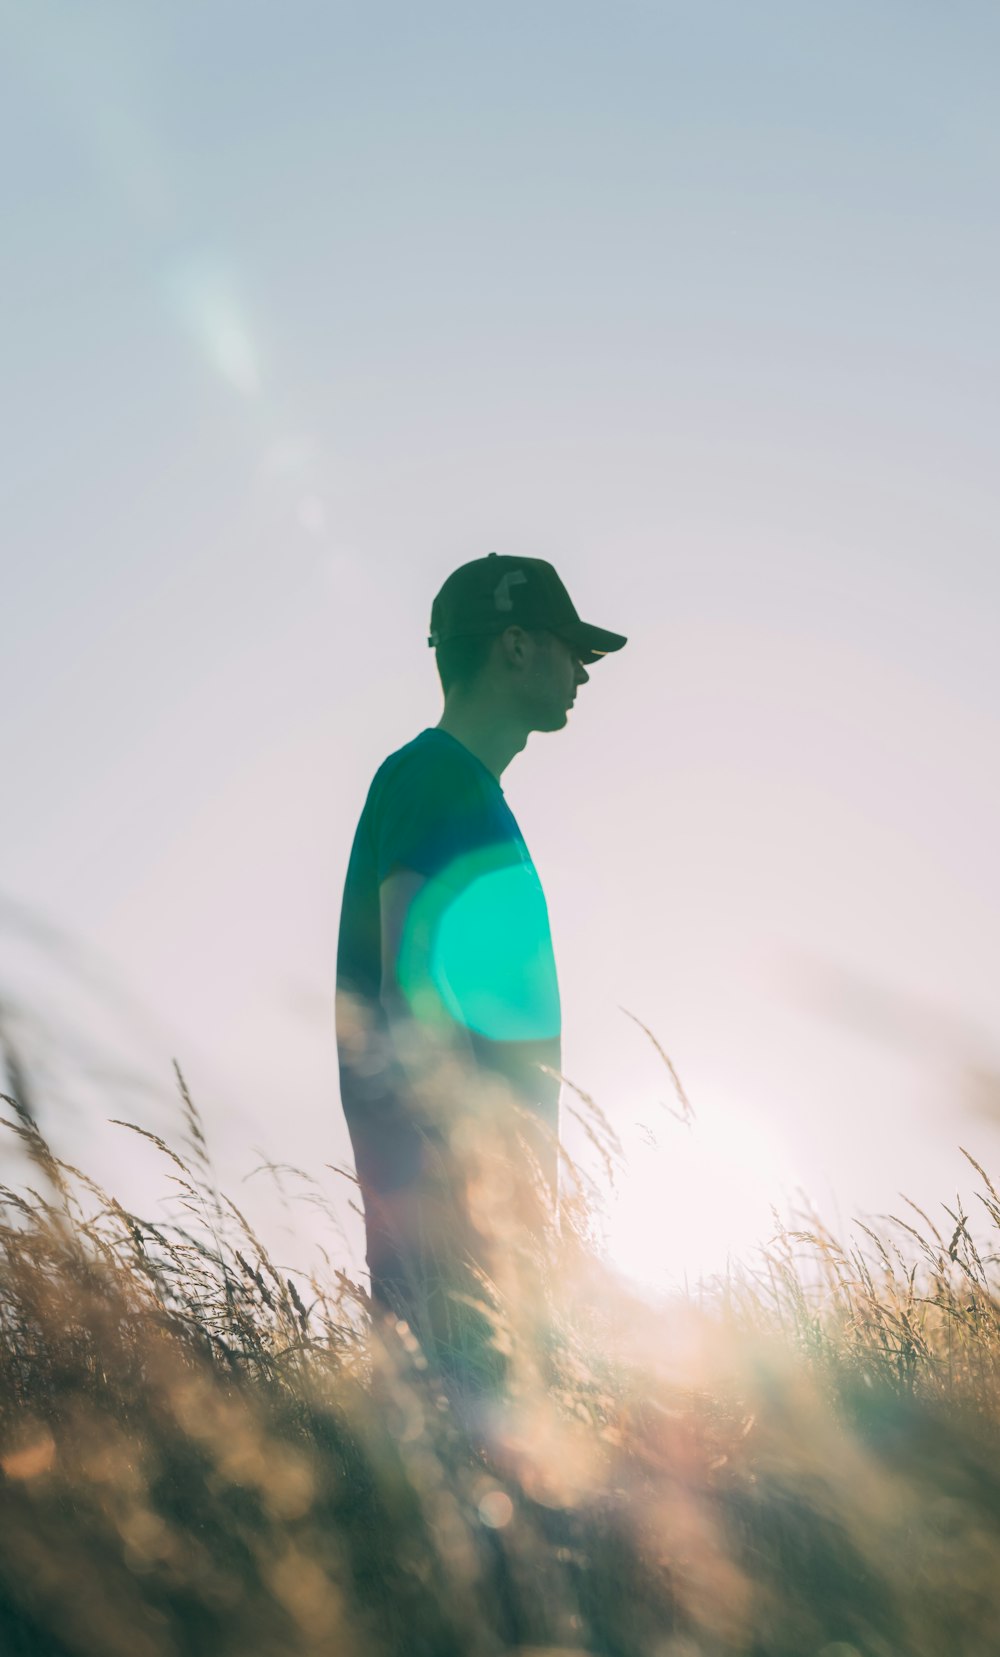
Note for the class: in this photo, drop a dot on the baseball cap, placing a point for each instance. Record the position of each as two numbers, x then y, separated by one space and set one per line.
498 591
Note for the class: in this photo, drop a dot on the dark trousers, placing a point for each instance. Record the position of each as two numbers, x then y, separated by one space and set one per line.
423 1250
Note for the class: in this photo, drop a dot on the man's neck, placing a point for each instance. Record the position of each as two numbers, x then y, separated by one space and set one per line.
486 733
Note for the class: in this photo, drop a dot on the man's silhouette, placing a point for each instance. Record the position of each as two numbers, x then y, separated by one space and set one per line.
447 997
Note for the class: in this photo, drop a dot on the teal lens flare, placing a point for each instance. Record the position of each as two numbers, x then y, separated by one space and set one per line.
489 959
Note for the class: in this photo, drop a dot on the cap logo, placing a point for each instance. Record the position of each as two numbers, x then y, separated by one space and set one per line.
501 593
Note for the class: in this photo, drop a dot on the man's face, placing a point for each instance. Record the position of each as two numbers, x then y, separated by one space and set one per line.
554 673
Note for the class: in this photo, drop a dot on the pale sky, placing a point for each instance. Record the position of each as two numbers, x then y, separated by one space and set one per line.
305 305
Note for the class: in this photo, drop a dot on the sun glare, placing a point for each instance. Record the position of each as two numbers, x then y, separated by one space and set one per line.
691 1200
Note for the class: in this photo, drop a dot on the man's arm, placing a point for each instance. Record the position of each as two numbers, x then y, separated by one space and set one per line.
421 1029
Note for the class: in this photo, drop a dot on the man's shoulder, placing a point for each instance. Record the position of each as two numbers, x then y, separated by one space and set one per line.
429 806
427 744
428 756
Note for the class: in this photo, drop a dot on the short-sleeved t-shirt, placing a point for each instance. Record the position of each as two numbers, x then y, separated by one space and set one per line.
435 808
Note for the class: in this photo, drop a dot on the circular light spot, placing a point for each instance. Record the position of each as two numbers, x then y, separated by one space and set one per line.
496 1509
492 958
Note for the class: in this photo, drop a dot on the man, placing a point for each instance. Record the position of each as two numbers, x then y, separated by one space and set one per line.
447 997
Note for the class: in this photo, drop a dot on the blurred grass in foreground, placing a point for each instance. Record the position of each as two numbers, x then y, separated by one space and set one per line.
201 1454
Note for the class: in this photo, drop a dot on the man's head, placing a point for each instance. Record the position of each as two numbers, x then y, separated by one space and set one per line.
506 632
532 675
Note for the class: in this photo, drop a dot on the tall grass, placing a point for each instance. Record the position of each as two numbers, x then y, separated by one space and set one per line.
203 1454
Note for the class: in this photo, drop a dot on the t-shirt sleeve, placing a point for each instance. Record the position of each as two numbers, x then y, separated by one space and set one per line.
429 814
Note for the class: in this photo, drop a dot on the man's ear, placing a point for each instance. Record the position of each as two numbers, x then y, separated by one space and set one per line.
514 643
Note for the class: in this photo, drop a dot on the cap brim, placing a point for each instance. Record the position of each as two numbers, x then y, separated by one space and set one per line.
591 642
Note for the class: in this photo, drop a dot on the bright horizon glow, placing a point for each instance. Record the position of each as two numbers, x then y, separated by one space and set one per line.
699 1197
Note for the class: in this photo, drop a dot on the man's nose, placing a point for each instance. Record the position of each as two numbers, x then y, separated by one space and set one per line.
582 676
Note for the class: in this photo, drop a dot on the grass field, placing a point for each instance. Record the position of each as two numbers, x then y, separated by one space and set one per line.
202 1455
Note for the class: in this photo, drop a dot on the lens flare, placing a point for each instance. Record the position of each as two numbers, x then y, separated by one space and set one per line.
491 952
204 297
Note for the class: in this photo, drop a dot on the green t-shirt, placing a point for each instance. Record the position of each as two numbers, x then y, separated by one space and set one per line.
435 808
